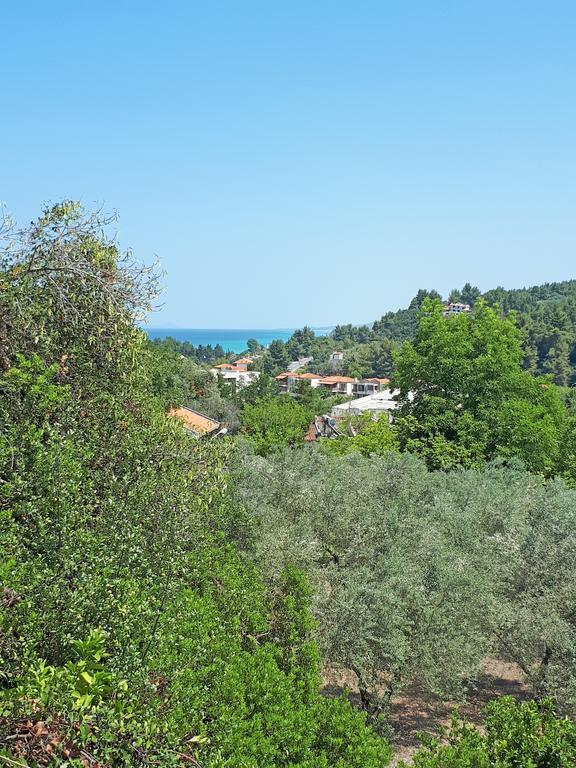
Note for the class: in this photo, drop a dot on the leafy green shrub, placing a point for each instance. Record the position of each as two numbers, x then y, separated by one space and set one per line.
517 735
275 423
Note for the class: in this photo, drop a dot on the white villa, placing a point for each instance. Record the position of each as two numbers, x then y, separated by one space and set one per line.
236 372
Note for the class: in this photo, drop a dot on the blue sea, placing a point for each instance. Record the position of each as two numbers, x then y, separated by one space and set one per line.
231 339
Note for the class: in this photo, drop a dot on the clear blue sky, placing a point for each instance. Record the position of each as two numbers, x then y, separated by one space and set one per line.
301 162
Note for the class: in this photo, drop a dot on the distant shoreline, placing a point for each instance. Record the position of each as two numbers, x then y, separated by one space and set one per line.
231 339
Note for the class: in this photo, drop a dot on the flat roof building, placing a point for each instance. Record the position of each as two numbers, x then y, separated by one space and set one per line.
379 402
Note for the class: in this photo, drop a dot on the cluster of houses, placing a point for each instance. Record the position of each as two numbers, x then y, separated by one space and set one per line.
337 385
371 395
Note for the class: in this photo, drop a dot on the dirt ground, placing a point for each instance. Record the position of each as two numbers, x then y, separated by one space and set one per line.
416 710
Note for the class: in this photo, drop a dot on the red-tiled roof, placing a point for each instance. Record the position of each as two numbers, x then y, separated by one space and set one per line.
337 380
375 380
311 435
306 376
226 366
194 421
283 375
245 360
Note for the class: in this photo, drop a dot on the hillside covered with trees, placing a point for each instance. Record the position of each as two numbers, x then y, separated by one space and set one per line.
172 601
545 315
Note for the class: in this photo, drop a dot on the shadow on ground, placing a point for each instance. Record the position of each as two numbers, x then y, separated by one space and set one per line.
418 711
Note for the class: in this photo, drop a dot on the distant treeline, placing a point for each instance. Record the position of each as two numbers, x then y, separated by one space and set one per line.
545 314
203 353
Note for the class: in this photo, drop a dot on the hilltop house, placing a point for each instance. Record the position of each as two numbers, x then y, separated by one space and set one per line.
369 386
455 308
289 380
338 385
243 363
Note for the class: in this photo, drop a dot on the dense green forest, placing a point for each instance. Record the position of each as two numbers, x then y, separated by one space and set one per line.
168 601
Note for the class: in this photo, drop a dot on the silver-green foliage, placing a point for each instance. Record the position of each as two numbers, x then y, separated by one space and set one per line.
420 575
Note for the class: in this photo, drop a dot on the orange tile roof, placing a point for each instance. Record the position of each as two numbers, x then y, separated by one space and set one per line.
225 365
375 380
311 435
245 360
194 421
337 380
308 376
283 375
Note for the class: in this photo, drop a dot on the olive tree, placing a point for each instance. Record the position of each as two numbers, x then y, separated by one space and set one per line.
419 576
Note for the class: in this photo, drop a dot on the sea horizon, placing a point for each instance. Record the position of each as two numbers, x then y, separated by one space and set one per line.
230 339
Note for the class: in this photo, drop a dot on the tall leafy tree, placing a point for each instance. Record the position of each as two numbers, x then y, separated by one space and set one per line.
277 357
466 398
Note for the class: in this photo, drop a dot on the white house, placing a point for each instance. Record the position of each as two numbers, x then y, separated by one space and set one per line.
455 308
236 373
243 363
289 381
369 386
338 385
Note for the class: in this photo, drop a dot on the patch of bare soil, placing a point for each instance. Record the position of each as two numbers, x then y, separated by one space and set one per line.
418 711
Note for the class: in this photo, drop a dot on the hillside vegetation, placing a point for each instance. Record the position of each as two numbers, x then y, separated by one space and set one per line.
132 632
168 601
545 315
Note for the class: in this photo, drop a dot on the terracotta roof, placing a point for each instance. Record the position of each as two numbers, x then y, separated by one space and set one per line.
337 380
306 376
312 434
283 375
245 360
225 365
376 380
194 421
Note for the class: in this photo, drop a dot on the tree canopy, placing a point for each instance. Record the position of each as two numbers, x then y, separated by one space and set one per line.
421 574
466 399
